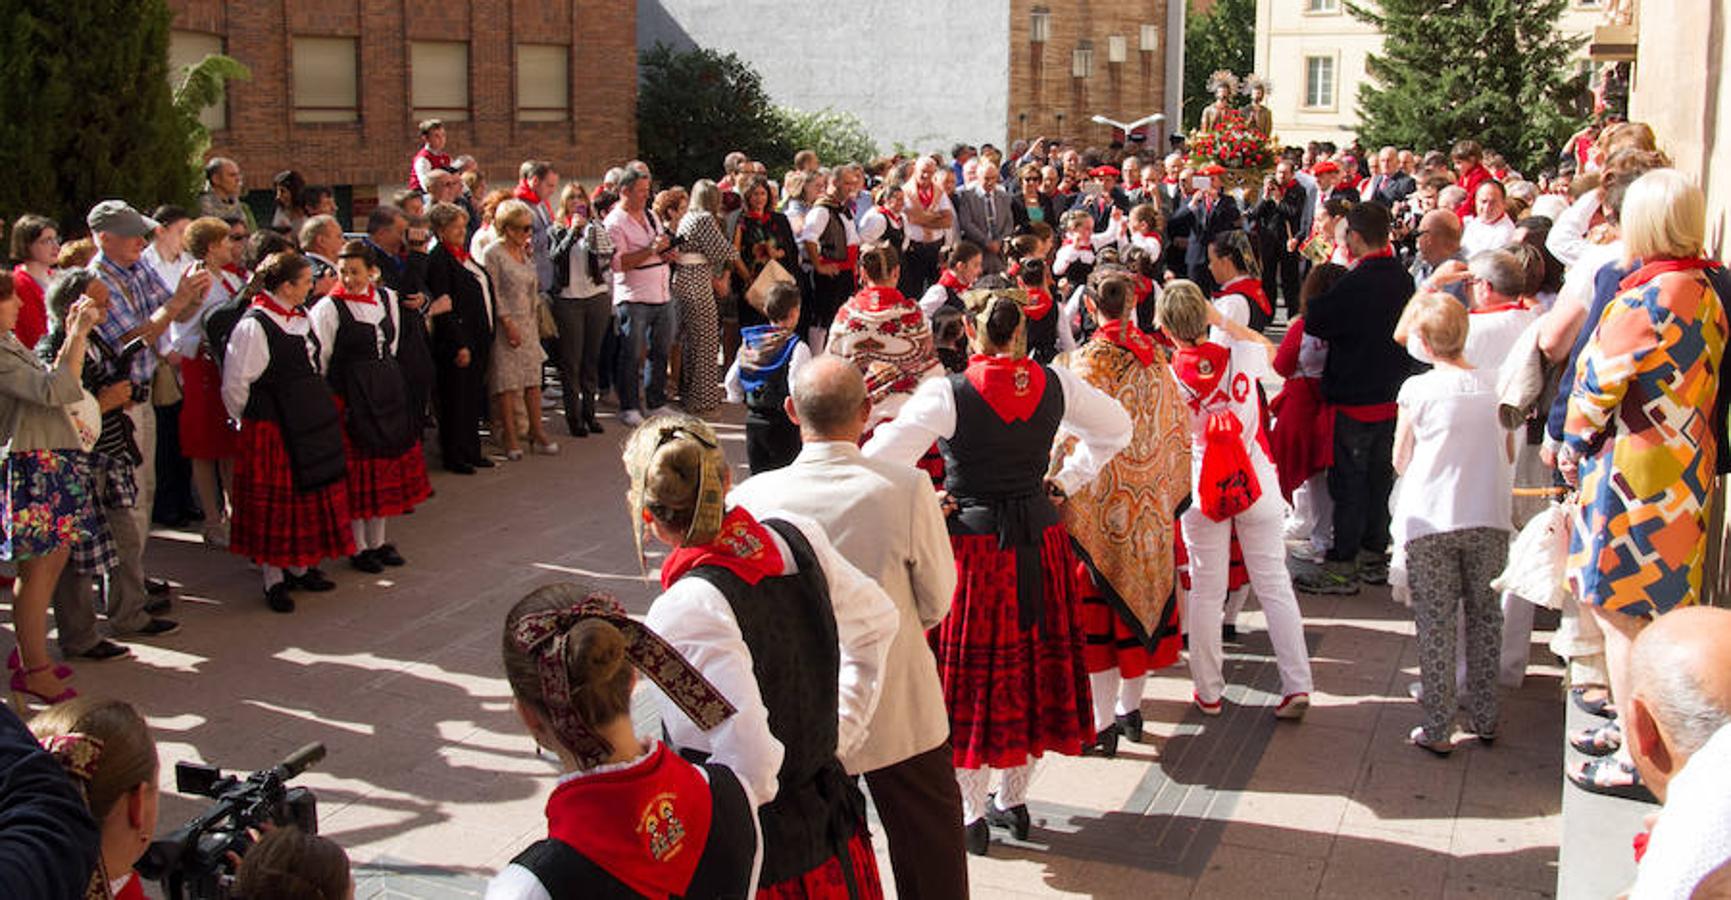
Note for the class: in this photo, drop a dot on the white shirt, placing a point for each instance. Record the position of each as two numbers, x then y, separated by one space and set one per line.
1692 836
1234 307
1568 236
1460 475
940 204
249 354
1090 414
169 270
1492 335
885 519
1478 235
736 392
695 618
817 220
185 337
872 225
325 321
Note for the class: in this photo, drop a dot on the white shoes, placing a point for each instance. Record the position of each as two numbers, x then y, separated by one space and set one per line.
631 418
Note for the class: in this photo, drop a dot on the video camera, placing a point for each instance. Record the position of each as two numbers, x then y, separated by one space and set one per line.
192 862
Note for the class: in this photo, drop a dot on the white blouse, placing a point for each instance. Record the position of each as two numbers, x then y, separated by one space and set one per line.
695 618
1093 416
249 355
325 321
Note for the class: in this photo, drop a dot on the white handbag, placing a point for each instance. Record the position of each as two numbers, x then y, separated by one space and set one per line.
1538 569
85 415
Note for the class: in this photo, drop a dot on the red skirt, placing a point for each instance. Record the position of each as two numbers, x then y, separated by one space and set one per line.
1110 644
204 429
275 524
1012 695
1302 442
384 486
1236 575
827 881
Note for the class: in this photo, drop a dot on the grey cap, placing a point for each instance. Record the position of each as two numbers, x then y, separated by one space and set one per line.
117 217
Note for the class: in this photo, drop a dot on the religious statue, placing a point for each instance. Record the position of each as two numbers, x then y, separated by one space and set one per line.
1224 84
1259 114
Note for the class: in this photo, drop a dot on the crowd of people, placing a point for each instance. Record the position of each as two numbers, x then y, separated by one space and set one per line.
1011 446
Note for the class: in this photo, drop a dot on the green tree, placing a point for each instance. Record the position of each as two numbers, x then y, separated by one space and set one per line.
695 106
836 137
201 86
1495 71
1222 38
86 111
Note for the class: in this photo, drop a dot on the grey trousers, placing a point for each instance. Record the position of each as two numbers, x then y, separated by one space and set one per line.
123 592
1450 575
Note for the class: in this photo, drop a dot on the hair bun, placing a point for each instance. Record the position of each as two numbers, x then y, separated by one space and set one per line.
597 652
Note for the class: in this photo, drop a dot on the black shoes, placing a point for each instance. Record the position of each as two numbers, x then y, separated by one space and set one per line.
1229 633
978 836
157 587
593 424
387 554
156 606
1105 742
278 599
1015 818
104 651
367 561
483 463
1131 725
313 580
461 468
157 628
577 428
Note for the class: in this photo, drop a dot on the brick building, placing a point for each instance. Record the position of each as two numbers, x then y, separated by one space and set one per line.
338 85
1071 61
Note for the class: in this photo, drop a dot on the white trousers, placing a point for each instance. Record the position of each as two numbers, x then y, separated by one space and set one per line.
1259 537
1312 516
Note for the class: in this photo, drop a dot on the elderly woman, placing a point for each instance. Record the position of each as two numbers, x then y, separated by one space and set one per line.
517 353
462 340
699 274
48 506
1637 443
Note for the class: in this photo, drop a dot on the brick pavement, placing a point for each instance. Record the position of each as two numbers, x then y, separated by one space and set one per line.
431 785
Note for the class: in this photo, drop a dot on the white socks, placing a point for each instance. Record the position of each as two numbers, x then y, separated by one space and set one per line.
369 533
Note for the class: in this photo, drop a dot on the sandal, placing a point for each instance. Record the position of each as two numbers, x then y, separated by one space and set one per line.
1602 740
1600 707
1611 777
1439 748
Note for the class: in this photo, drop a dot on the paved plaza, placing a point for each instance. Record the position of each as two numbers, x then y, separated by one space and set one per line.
432 785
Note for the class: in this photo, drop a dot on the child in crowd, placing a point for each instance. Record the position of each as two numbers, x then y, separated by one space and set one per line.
760 375
1302 439
961 268
1145 229
1451 517
1045 322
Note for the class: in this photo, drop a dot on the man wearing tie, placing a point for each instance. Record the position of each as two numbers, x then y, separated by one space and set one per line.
983 214
1208 213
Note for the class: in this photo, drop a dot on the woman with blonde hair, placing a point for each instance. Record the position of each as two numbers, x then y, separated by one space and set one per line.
1636 442
744 599
1010 651
108 752
573 209
517 354
699 277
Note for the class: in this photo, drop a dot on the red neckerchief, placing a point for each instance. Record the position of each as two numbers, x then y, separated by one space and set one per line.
1039 303
743 547
342 293
1201 368
876 298
1387 252
526 194
133 889
1125 334
1250 288
926 195
661 810
234 268
1169 180
1144 287
761 218
1011 386
267 302
1289 185
1659 267
458 252
1500 307
1639 843
891 217
949 280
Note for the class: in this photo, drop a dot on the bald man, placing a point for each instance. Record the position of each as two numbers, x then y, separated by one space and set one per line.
1439 242
884 519
1679 731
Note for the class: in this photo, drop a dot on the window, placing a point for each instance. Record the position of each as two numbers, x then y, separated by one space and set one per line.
1319 82
543 83
1322 6
1117 48
439 79
325 79
1040 30
185 50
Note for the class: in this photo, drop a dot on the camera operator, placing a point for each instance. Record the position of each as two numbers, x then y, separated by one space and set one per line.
48 842
106 748
118 554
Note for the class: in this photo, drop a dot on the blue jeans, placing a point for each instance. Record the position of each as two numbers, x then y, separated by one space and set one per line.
645 334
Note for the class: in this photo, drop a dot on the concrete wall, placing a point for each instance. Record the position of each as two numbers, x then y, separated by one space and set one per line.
922 85
1680 88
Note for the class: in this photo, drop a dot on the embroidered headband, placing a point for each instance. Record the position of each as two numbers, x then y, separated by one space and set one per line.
77 753
640 454
980 303
543 635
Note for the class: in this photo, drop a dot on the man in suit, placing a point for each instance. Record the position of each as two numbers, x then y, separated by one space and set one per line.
1209 213
884 519
984 216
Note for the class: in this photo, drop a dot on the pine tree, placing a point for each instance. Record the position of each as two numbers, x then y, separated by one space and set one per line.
1494 71
1222 38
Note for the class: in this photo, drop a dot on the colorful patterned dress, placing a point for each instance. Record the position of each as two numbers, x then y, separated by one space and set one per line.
1639 417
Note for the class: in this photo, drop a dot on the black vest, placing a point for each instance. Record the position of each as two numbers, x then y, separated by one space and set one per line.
996 472
291 394
832 243
723 872
1043 336
371 383
894 235
789 626
764 406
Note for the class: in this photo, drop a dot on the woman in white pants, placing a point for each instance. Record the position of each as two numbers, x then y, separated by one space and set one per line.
1219 384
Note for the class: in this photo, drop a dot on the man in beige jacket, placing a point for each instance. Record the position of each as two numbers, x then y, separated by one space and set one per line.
884 519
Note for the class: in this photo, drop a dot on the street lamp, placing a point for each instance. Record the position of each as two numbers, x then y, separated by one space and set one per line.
1132 126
